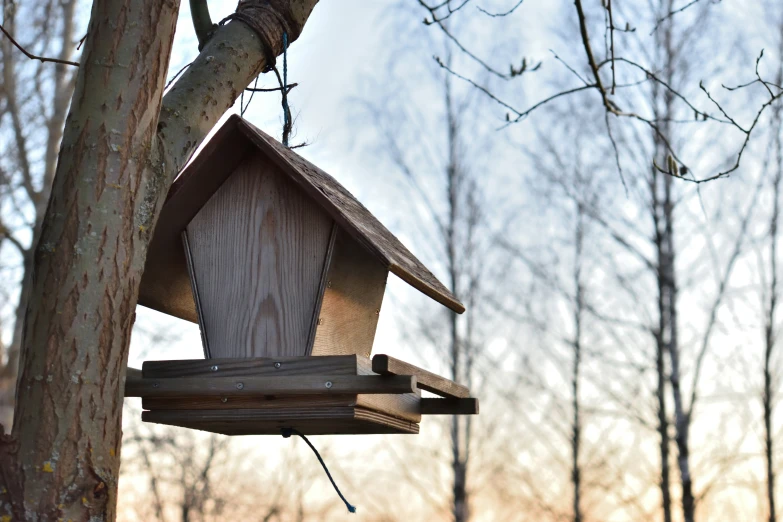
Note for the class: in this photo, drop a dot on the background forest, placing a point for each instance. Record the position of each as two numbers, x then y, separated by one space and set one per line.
623 319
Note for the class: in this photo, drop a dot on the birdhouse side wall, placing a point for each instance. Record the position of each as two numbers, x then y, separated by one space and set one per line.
258 250
355 284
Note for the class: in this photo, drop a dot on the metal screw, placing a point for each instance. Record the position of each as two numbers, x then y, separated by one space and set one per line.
377 312
224 399
214 368
320 321
278 365
240 385
328 284
155 384
328 384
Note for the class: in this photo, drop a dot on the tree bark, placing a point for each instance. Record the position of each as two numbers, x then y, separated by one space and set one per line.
122 146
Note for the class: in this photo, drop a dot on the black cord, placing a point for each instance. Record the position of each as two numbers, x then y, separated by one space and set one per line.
287 432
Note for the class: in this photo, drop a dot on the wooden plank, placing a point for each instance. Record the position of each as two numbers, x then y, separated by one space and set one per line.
385 365
309 421
258 366
403 406
258 248
352 216
165 285
469 406
351 305
248 386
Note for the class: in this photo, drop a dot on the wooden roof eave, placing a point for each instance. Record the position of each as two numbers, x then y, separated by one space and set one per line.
165 285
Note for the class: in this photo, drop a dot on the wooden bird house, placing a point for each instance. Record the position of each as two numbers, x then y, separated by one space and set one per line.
277 263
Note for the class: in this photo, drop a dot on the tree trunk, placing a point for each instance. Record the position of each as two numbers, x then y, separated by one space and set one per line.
576 423
669 288
119 154
663 429
770 331
459 426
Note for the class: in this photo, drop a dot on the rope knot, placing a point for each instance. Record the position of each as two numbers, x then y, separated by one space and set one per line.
260 16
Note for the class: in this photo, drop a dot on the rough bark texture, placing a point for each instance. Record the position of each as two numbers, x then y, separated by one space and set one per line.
119 154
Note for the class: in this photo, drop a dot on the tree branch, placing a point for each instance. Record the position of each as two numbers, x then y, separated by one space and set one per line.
42 59
202 22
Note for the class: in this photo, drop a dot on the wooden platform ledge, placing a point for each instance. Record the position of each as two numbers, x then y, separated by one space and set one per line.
278 385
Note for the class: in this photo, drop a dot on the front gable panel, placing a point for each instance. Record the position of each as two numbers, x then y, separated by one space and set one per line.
258 248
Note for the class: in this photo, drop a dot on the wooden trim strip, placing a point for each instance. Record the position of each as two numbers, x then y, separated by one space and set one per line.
250 386
321 289
258 366
385 365
196 299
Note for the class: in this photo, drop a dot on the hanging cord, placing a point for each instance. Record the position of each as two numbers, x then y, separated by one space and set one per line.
242 106
287 432
286 110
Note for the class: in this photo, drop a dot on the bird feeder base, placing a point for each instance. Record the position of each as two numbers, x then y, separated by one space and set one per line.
324 395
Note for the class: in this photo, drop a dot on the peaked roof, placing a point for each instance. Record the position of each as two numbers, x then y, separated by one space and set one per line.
165 285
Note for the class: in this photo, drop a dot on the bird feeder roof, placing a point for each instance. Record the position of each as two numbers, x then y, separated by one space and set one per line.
165 285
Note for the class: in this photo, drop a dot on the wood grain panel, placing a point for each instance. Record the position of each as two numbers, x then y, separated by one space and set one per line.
403 406
351 215
310 421
355 284
258 250
165 285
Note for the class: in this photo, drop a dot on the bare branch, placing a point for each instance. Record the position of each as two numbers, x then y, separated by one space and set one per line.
42 59
504 13
672 13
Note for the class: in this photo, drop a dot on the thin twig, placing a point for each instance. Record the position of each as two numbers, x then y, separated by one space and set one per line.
31 56
568 67
519 115
498 15
513 71
177 75
611 42
672 13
